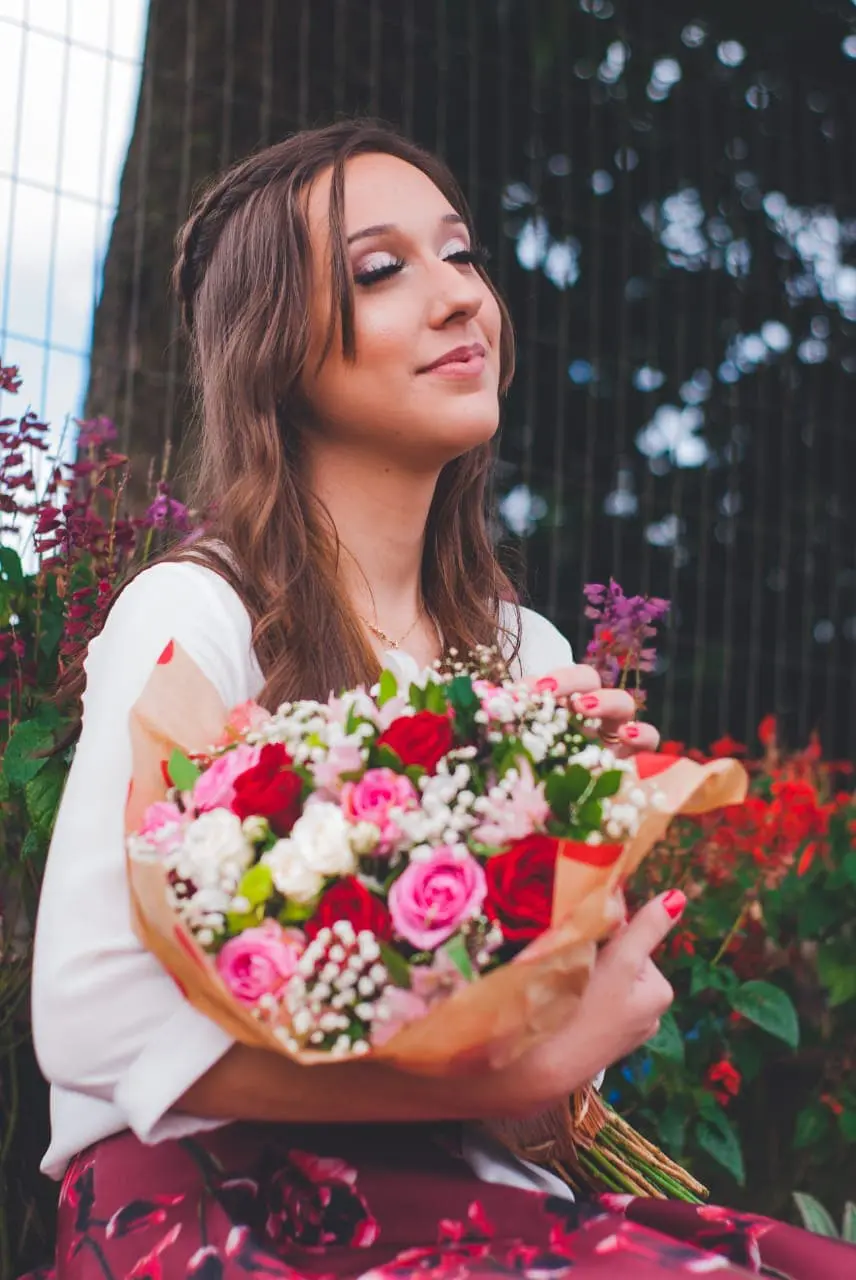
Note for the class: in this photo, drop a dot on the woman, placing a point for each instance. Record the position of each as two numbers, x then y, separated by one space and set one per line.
350 354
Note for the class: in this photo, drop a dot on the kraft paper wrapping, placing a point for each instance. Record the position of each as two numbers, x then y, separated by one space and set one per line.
484 1025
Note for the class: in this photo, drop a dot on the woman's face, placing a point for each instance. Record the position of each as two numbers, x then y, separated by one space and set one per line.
424 385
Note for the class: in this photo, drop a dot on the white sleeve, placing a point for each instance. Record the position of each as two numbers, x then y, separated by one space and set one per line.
542 646
108 1022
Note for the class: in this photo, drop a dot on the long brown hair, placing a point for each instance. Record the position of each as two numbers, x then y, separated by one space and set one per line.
243 276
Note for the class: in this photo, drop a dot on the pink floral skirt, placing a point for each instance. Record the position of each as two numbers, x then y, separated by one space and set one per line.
384 1202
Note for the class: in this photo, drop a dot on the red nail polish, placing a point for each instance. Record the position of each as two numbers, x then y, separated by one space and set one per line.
546 685
590 702
674 902
631 731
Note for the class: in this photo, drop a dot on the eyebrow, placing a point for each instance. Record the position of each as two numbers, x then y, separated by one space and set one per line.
384 228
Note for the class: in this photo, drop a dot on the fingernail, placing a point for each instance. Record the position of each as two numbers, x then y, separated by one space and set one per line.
630 731
590 702
546 685
674 902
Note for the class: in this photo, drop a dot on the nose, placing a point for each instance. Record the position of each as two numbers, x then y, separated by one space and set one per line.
458 294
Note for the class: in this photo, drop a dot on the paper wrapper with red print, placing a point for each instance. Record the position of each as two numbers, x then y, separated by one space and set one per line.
487 1023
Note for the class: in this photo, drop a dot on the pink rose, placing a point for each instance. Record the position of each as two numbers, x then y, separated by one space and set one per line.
216 787
163 824
431 899
373 798
258 961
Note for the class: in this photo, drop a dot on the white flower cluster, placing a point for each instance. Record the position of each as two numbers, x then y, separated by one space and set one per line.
207 866
341 979
321 844
310 730
445 814
540 722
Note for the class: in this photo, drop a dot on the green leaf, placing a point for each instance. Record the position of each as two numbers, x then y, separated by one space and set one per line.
256 884
837 972
238 921
814 1217
32 847
719 1139
848 1226
297 912
590 815
847 1124
456 950
813 1124
388 688
42 795
668 1042
416 697
435 699
672 1128
183 773
387 758
608 784
462 695
770 1008
396 966
20 759
11 569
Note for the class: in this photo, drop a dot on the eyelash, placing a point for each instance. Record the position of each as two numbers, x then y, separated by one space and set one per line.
475 257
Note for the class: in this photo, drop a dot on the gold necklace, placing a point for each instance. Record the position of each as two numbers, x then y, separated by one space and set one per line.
388 640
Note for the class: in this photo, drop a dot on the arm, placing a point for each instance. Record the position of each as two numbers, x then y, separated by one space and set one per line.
618 1012
108 1021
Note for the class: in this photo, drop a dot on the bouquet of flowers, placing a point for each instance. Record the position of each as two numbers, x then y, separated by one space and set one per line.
421 871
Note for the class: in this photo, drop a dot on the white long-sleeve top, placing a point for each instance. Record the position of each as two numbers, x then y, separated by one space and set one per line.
114 1037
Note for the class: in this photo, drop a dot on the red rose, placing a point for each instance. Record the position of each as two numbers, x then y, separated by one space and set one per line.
270 790
347 899
422 739
520 887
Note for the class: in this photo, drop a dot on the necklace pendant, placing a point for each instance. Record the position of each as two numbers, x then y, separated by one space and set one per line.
393 644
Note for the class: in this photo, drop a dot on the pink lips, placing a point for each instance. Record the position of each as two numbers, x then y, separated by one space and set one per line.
461 362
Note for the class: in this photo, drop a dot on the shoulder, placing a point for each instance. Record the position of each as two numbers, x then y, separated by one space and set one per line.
542 645
186 602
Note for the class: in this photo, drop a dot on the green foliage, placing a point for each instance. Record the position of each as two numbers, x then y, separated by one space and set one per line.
748 1080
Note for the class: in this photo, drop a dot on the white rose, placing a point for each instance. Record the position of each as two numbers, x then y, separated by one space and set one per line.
291 875
322 838
214 853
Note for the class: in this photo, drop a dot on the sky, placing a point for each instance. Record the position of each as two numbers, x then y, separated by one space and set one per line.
68 92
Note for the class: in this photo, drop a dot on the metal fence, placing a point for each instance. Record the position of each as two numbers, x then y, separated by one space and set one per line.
668 193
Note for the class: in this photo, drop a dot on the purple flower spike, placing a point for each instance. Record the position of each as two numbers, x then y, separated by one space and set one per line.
167 512
620 649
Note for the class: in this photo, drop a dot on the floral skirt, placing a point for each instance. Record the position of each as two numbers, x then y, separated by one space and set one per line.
383 1202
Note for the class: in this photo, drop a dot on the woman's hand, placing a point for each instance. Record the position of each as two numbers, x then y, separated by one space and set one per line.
580 686
620 1009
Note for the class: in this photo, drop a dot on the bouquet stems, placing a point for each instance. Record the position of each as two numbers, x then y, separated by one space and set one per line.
593 1149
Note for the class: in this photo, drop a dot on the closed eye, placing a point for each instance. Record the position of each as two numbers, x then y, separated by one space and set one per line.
475 257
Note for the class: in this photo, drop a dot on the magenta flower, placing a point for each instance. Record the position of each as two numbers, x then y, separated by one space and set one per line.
167 513
375 798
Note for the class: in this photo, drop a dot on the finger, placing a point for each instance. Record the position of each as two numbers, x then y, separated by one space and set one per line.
613 707
563 682
636 737
647 929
